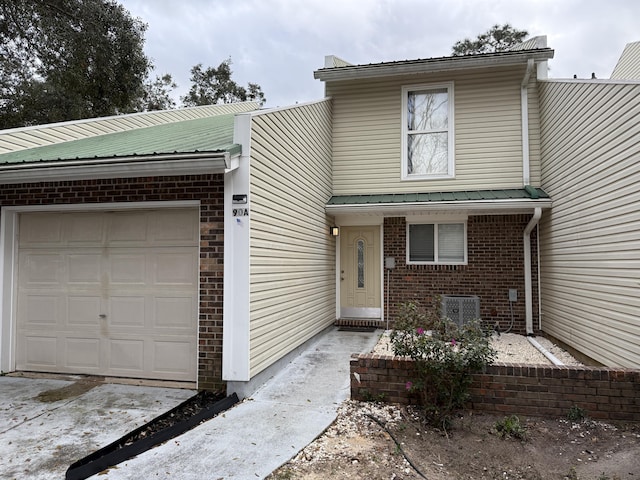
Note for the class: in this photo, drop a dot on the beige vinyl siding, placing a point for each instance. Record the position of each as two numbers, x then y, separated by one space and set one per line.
488 140
590 240
292 254
628 66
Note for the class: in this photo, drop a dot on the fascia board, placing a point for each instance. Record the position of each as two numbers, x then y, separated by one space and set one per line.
429 66
120 168
400 209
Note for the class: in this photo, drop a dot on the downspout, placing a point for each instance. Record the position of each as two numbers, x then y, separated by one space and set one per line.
524 107
528 290
539 279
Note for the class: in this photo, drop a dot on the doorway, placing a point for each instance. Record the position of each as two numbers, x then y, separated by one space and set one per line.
360 259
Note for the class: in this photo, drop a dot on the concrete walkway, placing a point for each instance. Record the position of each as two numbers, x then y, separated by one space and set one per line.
260 434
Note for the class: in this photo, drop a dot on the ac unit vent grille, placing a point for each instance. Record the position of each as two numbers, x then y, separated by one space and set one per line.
461 308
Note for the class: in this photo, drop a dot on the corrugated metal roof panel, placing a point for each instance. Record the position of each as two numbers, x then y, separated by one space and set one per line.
30 137
431 65
210 134
462 196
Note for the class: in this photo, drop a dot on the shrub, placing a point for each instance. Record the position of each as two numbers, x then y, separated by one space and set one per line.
576 414
511 427
446 355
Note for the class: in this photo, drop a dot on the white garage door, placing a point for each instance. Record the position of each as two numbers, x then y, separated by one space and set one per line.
109 293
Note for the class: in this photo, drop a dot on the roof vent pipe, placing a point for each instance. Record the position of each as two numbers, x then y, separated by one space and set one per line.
528 292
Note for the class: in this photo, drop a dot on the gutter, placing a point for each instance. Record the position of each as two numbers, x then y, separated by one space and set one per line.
77 169
471 205
528 290
524 107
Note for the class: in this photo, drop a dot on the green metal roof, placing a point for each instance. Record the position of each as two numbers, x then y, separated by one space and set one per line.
528 192
203 135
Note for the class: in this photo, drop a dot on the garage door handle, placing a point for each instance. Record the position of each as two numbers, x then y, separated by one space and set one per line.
102 315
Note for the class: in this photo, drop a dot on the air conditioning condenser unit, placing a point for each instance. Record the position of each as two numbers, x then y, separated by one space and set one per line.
461 308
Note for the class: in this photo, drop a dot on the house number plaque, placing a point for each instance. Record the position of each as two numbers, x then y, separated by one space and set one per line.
240 212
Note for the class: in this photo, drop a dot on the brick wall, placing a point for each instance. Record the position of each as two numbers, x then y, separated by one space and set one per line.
495 264
208 189
538 390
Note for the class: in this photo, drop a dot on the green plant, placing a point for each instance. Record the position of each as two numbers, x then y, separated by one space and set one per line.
510 427
367 396
446 356
576 414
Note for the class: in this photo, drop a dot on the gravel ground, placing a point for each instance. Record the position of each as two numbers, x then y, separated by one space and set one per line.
511 348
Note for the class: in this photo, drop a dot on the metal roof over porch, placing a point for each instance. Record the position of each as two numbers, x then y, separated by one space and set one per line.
520 199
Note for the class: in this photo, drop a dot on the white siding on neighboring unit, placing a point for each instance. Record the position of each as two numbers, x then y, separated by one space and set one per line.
488 140
292 254
628 66
30 137
590 241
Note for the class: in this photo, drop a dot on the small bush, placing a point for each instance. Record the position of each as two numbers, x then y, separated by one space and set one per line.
446 356
576 414
510 427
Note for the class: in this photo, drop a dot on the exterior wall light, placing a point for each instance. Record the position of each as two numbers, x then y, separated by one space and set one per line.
334 231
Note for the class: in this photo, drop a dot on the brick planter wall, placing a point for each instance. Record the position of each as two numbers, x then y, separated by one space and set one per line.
208 189
537 390
495 264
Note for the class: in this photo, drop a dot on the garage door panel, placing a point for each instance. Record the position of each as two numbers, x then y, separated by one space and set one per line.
83 354
172 357
126 355
127 311
84 310
38 351
84 268
127 228
128 268
83 229
186 229
41 310
175 313
41 268
175 268
41 229
109 293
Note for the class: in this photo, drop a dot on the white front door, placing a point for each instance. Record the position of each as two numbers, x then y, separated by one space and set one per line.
360 272
109 293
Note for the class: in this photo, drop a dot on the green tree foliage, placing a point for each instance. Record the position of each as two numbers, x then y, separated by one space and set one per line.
211 86
68 59
157 94
496 39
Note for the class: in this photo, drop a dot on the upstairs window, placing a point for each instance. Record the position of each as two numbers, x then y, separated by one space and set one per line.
427 132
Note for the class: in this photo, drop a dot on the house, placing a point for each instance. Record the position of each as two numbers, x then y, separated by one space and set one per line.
129 244
437 176
590 239
479 176
206 245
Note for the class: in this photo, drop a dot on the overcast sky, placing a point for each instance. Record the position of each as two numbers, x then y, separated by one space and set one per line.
279 43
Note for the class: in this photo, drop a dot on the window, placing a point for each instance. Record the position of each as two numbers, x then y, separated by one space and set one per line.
437 243
427 132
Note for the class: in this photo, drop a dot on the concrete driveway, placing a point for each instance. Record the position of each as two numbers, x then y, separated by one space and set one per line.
40 440
47 424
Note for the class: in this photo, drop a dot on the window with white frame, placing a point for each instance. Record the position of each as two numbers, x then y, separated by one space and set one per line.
437 243
427 132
